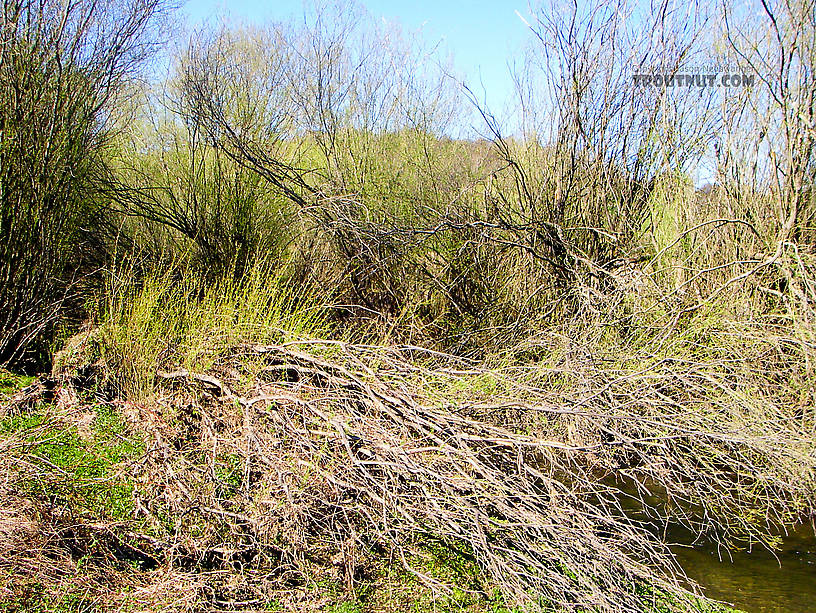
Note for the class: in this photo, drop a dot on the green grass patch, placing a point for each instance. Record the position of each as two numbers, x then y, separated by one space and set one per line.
388 586
11 383
34 599
168 321
81 468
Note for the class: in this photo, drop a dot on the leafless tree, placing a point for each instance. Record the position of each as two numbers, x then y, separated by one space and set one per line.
63 66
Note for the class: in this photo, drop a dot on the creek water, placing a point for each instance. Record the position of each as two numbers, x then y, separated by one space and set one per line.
757 581
753 581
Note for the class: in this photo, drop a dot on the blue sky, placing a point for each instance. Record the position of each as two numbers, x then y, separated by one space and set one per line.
481 35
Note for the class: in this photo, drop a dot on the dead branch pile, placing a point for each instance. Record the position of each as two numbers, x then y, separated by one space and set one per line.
349 449
321 452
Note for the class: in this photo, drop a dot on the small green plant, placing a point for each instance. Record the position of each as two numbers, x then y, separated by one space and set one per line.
229 472
35 600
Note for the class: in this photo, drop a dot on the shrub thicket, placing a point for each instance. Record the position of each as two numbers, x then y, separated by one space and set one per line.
331 331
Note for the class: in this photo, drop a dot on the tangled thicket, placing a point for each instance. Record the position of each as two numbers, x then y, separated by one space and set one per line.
335 343
277 459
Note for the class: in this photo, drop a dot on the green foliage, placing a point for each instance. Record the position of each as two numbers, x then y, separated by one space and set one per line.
204 208
11 383
36 600
81 468
229 472
657 601
62 67
345 607
172 319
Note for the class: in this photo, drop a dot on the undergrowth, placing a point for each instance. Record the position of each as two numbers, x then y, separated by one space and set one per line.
211 449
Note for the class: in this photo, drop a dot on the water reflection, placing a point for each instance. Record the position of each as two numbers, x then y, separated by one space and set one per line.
758 582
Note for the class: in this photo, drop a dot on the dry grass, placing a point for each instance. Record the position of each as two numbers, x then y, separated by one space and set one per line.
207 451
281 468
